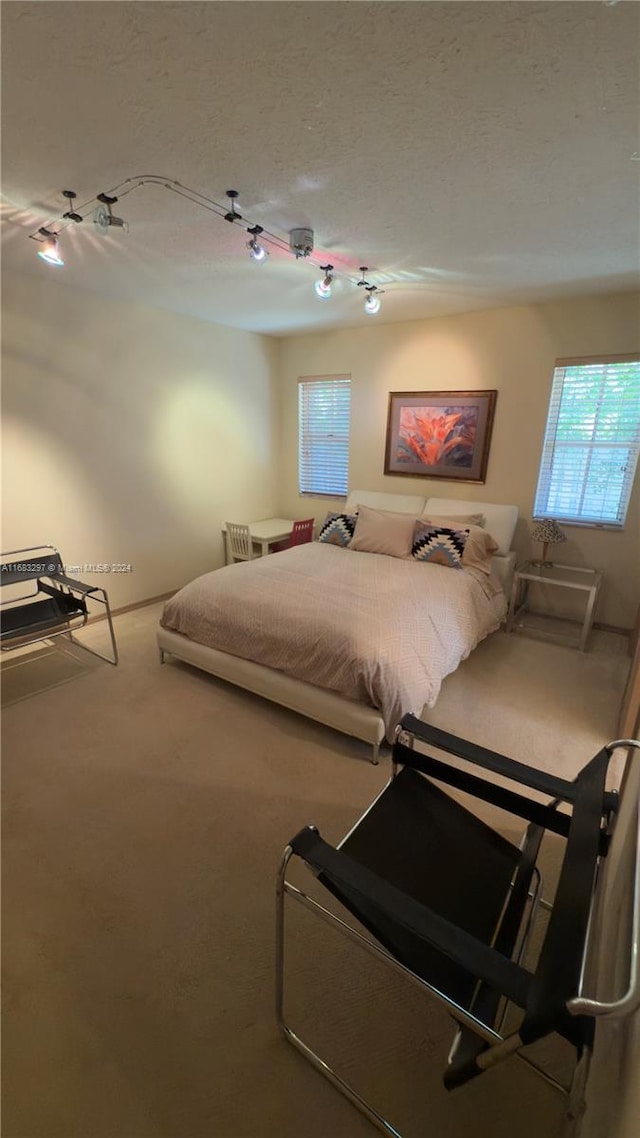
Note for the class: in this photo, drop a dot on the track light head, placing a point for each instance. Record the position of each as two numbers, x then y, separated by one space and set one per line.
257 252
104 217
50 251
323 287
372 304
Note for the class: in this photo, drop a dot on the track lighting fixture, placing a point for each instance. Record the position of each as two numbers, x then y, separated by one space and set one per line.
104 216
323 286
299 241
257 252
50 251
372 303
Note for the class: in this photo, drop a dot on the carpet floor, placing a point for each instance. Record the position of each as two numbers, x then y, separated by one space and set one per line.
145 811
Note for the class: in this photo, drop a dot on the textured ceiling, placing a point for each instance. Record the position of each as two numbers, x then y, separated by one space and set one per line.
473 154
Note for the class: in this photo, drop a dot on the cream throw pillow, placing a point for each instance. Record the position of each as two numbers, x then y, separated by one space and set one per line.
380 531
480 546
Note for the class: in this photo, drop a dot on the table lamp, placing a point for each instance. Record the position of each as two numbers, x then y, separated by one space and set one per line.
549 533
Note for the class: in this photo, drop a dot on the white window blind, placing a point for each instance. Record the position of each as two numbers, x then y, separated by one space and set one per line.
591 443
324 408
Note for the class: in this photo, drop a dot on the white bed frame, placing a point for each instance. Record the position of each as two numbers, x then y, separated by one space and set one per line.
361 721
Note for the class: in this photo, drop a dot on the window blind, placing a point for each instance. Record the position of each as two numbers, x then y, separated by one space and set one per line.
324 409
591 443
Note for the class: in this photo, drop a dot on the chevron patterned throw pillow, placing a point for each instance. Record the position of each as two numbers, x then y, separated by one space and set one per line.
439 544
337 529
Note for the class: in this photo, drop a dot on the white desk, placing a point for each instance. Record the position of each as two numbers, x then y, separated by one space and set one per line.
263 534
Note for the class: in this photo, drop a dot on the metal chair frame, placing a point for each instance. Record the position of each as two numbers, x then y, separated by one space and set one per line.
67 611
499 1046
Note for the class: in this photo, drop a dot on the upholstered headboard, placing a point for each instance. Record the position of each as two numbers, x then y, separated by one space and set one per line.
398 503
500 521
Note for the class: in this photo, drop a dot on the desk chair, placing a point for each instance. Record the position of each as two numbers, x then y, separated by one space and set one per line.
449 902
301 533
55 604
239 542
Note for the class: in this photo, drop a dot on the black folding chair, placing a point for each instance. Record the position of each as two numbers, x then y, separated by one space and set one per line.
460 933
55 604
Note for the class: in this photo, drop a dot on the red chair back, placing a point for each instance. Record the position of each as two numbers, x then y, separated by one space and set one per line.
302 531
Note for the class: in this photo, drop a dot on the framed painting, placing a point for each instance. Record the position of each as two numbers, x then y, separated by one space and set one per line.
439 434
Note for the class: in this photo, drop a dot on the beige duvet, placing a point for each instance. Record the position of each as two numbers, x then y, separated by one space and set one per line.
375 629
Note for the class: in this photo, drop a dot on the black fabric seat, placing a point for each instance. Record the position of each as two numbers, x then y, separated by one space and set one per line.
40 616
451 901
415 837
54 605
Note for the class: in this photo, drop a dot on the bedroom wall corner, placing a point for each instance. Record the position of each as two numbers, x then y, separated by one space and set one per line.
130 434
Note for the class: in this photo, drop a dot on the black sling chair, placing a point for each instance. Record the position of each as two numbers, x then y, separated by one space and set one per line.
460 932
55 604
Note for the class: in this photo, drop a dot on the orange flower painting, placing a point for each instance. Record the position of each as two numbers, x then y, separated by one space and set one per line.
435 436
439 434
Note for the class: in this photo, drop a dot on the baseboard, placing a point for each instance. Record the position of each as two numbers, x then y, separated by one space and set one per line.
132 607
615 628
600 625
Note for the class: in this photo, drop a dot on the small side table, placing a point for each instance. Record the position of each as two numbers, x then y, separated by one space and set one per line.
587 581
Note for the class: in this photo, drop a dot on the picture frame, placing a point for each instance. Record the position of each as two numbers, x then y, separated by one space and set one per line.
439 434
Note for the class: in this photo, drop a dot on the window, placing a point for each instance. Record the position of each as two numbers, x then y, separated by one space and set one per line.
324 407
591 443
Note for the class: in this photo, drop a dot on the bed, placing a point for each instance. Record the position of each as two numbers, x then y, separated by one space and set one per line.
352 639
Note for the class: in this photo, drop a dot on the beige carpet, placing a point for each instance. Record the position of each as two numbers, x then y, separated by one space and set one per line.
145 812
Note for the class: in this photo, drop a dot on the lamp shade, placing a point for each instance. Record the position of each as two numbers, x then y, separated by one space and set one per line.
549 533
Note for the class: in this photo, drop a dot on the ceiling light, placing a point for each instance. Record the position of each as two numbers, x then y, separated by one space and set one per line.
299 241
372 304
50 252
257 252
323 287
105 218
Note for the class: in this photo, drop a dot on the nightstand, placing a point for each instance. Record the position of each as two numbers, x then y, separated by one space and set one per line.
587 581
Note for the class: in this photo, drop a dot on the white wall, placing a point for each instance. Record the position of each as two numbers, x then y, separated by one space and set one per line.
512 350
130 435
